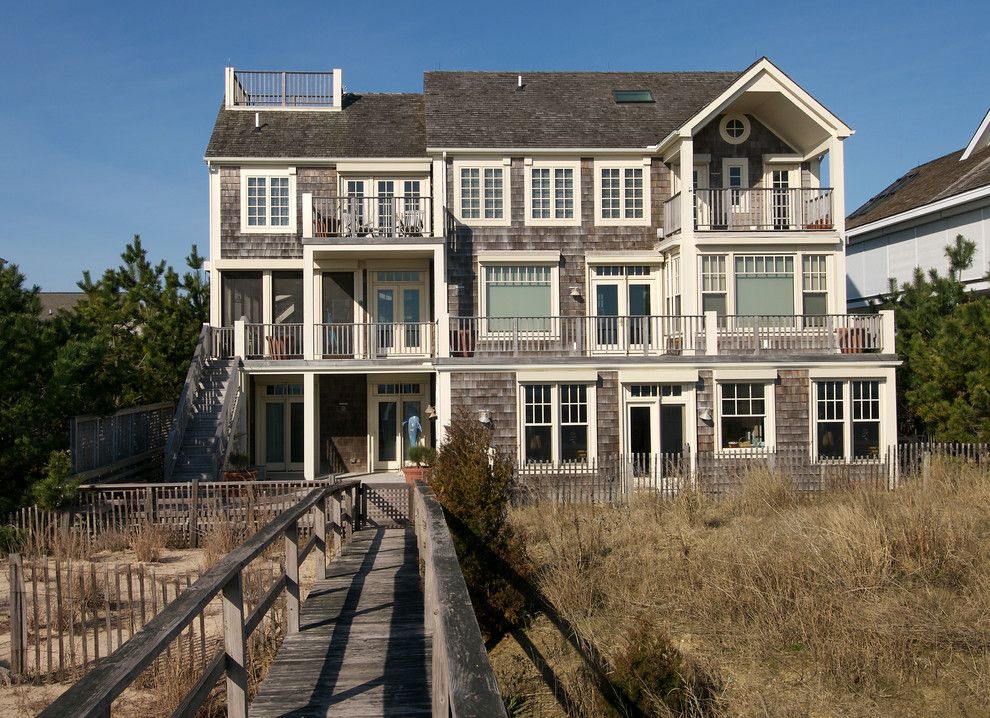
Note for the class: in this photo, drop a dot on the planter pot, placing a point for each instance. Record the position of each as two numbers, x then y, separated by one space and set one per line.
414 473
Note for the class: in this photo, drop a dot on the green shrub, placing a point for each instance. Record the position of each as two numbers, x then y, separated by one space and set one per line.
422 455
57 489
11 539
472 482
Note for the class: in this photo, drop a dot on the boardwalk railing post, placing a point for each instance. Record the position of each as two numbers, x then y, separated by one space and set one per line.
18 617
337 523
292 578
235 648
350 516
320 530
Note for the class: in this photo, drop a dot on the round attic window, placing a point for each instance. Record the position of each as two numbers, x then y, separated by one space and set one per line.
734 129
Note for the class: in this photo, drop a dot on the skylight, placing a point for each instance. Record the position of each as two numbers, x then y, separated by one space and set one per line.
625 96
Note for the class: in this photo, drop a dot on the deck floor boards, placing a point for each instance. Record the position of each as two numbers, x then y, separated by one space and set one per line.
362 649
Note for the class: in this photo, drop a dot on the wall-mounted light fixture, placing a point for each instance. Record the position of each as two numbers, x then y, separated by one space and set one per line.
431 412
705 414
485 416
576 293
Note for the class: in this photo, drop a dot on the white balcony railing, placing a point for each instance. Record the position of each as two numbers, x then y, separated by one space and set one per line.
380 340
273 341
761 209
372 216
817 334
672 215
576 336
265 89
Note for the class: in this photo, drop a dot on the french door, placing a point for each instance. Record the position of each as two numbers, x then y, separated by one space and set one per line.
622 316
397 317
654 437
398 423
283 432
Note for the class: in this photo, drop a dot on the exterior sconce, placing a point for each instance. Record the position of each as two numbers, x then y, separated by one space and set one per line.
485 416
431 412
576 293
705 414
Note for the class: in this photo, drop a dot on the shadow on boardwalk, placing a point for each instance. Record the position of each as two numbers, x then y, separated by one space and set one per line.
362 648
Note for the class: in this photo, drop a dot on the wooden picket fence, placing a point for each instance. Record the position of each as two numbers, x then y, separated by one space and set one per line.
614 479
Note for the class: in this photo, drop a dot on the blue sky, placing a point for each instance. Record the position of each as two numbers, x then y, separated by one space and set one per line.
106 108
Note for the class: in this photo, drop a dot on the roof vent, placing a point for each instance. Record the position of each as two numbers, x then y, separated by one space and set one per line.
257 122
519 83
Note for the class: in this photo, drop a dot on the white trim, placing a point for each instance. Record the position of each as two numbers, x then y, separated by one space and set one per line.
917 212
664 375
305 161
375 166
521 257
268 173
623 257
530 165
723 130
532 151
849 372
884 418
783 159
258 264
550 374
753 375
505 164
980 139
622 164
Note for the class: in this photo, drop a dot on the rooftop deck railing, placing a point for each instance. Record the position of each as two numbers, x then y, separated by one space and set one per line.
278 89
383 215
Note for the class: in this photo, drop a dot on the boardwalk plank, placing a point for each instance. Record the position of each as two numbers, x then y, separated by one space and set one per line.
362 648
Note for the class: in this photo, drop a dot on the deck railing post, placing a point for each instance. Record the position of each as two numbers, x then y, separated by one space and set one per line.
194 514
235 648
350 515
292 578
320 530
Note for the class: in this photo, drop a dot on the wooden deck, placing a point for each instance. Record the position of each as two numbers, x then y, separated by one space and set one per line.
362 648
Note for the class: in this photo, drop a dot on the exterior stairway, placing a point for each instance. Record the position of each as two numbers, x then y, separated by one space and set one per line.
202 451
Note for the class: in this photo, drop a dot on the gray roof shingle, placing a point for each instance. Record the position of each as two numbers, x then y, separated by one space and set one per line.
561 109
938 179
370 125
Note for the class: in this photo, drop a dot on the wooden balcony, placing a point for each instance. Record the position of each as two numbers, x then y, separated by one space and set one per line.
760 209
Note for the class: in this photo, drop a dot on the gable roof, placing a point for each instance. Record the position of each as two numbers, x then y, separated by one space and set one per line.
369 125
561 109
933 181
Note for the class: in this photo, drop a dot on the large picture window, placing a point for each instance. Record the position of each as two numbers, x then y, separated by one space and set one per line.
556 425
847 419
764 284
518 291
743 415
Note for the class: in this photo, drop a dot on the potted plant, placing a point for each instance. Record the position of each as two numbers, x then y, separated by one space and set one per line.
420 460
238 468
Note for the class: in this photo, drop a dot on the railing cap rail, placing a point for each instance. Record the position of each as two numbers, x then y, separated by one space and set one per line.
473 689
93 694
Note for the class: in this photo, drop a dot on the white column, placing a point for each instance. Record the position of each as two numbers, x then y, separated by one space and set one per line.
214 251
443 405
888 331
311 426
307 215
837 179
439 189
309 307
689 253
441 309
239 338
711 333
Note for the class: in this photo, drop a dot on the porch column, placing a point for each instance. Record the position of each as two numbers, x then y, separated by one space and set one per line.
308 328
443 405
441 345
311 426
689 254
836 178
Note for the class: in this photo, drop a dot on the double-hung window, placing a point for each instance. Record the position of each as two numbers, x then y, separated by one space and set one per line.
743 415
553 193
847 419
814 284
713 286
556 423
622 191
268 201
482 192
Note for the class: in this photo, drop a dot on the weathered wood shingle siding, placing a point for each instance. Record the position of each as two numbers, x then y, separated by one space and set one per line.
573 243
608 413
791 397
320 181
343 422
761 141
495 391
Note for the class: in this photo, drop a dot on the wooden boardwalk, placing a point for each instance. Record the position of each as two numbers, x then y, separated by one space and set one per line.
362 648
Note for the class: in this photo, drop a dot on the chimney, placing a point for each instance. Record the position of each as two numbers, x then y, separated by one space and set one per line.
338 89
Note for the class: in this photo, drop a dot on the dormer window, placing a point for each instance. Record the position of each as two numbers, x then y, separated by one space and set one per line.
734 129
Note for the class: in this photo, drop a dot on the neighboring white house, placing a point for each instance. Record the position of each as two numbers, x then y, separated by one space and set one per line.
909 223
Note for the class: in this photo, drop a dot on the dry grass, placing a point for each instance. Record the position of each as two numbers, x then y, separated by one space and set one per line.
849 603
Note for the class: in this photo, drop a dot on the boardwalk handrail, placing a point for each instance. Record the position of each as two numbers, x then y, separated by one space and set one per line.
93 695
463 682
